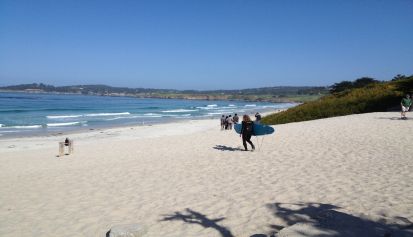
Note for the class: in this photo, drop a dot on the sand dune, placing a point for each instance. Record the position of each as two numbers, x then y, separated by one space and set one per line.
339 176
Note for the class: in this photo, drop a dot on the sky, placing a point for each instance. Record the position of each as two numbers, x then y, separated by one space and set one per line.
204 44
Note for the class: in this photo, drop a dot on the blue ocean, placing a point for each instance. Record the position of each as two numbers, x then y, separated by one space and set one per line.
24 114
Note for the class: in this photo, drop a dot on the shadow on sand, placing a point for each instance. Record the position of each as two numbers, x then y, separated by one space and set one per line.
309 219
193 217
391 118
226 148
325 220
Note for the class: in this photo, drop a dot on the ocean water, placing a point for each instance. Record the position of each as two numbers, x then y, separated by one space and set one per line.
39 114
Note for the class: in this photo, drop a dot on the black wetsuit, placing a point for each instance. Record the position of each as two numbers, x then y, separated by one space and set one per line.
247 130
258 118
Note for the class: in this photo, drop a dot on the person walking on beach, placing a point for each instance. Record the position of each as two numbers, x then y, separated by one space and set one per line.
67 141
406 103
257 118
230 121
235 119
226 122
247 130
223 122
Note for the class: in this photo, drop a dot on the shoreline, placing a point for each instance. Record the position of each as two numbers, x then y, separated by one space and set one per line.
85 129
125 131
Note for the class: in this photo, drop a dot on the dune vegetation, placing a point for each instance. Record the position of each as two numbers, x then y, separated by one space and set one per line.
361 96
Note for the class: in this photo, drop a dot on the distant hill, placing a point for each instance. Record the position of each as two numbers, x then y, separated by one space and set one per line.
269 94
349 98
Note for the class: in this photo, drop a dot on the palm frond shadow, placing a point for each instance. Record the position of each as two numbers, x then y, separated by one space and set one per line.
193 217
328 219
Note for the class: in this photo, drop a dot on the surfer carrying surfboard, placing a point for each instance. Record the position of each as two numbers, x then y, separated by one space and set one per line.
247 130
257 130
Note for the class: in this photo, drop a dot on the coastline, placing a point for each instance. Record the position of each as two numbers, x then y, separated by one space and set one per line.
147 131
150 174
50 115
148 96
126 130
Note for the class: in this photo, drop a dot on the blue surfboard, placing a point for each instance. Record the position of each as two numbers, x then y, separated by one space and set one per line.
259 129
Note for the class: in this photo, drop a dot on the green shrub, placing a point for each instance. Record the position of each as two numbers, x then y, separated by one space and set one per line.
377 97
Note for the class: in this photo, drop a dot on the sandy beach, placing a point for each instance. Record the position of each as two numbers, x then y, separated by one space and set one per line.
343 176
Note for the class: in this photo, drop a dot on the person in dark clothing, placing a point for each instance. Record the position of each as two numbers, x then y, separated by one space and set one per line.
247 130
236 119
257 118
67 141
226 123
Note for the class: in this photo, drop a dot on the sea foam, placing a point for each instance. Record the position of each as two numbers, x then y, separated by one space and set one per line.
179 110
106 114
62 116
26 126
65 124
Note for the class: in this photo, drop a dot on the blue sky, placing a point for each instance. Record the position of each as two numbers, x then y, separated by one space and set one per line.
204 44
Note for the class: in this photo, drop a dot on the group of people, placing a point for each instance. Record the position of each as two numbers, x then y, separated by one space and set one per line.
228 121
247 127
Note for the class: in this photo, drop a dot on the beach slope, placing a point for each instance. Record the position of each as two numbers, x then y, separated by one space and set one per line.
342 176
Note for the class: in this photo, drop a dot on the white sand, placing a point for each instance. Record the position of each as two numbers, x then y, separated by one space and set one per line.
361 163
